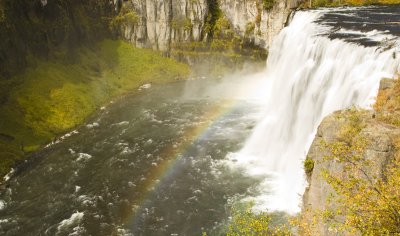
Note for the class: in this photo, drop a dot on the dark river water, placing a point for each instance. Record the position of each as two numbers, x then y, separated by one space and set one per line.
147 165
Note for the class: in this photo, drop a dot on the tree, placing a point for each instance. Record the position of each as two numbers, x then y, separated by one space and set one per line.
368 199
245 222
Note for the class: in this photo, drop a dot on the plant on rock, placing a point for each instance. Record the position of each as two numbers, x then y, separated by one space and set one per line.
268 4
367 196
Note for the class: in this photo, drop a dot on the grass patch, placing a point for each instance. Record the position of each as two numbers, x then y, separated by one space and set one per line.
50 98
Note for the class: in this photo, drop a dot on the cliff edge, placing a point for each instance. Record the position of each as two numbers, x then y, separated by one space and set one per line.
351 167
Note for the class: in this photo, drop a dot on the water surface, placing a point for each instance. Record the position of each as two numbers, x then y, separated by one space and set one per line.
147 164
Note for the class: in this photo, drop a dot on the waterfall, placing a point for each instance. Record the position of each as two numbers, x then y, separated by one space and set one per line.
310 76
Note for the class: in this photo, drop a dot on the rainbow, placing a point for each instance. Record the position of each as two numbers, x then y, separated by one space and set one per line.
166 166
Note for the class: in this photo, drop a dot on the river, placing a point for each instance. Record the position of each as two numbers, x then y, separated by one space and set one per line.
147 161
172 159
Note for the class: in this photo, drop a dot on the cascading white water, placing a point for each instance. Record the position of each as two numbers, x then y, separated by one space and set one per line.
310 76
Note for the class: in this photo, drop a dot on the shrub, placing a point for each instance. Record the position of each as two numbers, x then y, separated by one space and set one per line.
2 13
182 23
250 27
268 4
126 17
222 28
308 165
367 197
245 222
387 104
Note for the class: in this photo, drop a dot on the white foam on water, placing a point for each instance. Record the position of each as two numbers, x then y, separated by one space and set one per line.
77 231
62 138
74 220
2 205
8 175
4 221
93 125
310 76
83 157
77 188
123 232
374 35
86 200
144 86
122 123
71 151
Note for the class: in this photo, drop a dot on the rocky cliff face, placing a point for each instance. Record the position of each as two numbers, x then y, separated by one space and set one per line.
380 136
253 20
162 23
158 24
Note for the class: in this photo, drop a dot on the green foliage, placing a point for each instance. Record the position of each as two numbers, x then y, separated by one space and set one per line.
368 199
51 97
3 16
218 57
126 17
215 23
306 222
259 13
214 15
245 222
268 4
131 18
352 127
10 154
322 3
308 165
250 27
387 104
182 23
222 29
220 45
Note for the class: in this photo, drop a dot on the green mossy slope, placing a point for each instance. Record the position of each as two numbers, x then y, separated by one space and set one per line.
49 98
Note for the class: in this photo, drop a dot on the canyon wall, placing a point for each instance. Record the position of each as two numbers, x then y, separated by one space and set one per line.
162 23
60 26
253 19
